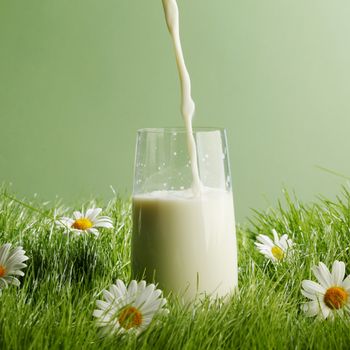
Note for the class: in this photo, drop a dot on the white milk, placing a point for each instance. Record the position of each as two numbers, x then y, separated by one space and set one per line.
187 105
186 244
185 240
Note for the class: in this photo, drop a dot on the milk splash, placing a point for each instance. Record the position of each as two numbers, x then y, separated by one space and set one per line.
187 105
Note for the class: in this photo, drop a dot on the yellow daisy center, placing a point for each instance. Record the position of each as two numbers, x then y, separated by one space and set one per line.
277 252
82 224
130 317
335 297
2 271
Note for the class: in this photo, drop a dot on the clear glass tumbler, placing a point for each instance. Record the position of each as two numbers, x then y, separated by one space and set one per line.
184 242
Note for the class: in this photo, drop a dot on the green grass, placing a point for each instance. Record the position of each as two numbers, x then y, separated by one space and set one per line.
53 307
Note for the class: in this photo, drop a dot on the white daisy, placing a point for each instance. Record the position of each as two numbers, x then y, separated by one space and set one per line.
11 263
86 222
129 309
275 250
330 295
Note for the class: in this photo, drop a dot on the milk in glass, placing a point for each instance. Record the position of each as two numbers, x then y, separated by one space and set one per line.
186 244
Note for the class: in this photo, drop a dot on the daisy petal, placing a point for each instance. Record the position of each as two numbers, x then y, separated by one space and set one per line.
275 236
265 240
97 313
311 296
92 214
325 311
3 283
338 272
78 215
115 291
12 280
311 308
312 287
121 286
283 242
4 252
108 296
346 283
102 304
323 275
132 290
145 297
104 224
93 231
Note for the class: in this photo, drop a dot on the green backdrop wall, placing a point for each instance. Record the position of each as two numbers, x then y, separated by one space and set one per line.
78 77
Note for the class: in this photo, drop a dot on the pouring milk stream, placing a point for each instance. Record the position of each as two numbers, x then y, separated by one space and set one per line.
188 107
185 240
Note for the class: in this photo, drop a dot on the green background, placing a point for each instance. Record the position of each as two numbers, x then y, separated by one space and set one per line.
79 77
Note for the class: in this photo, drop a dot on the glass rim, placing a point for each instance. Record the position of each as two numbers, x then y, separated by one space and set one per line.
180 129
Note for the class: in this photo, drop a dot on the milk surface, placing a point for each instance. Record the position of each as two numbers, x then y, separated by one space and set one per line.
186 244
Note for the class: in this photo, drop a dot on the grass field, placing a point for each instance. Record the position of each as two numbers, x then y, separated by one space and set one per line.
65 275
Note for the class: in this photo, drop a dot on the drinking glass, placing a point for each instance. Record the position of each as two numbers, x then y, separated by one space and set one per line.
184 242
